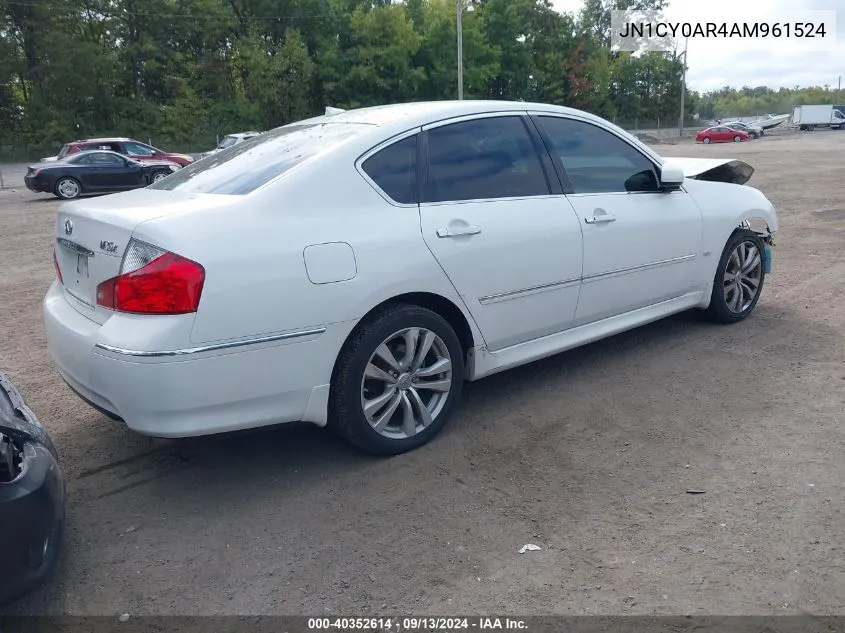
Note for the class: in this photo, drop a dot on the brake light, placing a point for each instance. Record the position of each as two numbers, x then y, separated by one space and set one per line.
58 270
153 281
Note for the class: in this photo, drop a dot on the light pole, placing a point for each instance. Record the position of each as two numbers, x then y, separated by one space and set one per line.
683 88
460 11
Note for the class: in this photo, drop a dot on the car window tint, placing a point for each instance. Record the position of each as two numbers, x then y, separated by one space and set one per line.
247 165
483 159
597 161
136 149
101 158
394 170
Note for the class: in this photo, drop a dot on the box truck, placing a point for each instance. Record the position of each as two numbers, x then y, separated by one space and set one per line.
809 117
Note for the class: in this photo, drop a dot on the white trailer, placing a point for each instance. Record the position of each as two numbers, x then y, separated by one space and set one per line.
809 117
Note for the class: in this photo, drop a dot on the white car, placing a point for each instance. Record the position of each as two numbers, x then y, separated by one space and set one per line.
353 269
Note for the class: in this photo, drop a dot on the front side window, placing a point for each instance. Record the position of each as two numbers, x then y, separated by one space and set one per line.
597 161
394 170
136 149
249 164
65 150
483 159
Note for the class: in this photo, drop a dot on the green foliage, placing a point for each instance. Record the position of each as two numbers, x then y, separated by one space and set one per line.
180 72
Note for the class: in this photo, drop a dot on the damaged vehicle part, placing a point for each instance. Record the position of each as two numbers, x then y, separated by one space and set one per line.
727 170
32 497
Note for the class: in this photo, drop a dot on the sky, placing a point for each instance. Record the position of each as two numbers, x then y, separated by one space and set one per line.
714 63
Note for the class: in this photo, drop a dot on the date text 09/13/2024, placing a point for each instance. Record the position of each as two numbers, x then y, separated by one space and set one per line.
417 624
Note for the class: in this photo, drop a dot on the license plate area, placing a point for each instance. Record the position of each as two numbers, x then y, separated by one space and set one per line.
75 261
82 266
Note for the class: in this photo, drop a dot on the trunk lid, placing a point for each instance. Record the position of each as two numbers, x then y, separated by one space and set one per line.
92 236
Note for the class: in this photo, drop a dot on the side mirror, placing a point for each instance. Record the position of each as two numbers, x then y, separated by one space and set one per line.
671 176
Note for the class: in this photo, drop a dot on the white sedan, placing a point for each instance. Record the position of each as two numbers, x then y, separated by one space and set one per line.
354 269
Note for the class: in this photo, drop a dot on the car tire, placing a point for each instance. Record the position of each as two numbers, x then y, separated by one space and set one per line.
410 401
740 267
737 138
67 188
158 175
706 140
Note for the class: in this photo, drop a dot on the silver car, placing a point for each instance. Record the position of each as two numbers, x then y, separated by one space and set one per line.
229 140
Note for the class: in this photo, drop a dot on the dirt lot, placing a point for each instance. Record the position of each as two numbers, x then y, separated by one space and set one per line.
588 454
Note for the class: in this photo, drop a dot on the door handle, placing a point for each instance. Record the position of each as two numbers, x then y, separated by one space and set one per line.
600 219
458 232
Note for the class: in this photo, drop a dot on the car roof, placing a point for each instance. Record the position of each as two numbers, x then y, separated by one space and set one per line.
423 112
95 151
107 139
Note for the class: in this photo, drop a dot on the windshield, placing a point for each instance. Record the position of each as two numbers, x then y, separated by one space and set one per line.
227 142
245 166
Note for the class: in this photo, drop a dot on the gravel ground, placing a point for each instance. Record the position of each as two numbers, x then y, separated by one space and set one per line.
588 454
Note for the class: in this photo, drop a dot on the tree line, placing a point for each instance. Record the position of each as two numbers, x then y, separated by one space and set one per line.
180 72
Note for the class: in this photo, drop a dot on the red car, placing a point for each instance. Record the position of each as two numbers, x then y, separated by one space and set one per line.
721 134
126 146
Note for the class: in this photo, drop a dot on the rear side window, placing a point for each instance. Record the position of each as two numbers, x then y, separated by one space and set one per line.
246 166
394 170
483 159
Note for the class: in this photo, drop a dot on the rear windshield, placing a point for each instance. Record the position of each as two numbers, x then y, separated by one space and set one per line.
245 166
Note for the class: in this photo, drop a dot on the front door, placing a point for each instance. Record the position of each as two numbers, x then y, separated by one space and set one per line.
510 248
641 245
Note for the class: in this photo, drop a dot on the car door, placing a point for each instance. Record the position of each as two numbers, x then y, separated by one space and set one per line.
509 246
640 244
108 172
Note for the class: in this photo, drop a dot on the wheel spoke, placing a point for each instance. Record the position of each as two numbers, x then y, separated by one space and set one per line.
441 386
384 353
409 421
381 421
416 400
733 262
752 262
422 351
371 407
751 282
377 373
440 366
737 302
411 336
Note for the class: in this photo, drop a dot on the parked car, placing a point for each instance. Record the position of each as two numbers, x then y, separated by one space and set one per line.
32 497
458 239
126 146
752 130
229 140
94 172
721 134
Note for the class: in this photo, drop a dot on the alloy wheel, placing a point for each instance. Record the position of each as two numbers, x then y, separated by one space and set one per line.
743 275
407 382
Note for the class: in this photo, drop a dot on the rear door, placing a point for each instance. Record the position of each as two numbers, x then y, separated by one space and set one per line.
490 216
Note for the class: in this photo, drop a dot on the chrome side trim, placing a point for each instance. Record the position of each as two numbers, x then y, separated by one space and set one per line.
516 294
623 271
210 348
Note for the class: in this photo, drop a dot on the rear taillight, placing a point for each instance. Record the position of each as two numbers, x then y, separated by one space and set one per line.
58 270
153 281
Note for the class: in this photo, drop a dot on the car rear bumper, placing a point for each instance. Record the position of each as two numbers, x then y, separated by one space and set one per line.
200 390
31 504
33 184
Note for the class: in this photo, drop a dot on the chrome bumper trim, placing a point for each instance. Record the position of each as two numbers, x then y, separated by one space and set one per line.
210 348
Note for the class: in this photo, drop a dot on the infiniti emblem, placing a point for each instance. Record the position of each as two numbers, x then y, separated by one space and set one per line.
68 227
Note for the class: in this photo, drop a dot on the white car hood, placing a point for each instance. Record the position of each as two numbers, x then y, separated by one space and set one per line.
714 169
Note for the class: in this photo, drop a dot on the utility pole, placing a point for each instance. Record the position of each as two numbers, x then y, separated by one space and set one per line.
683 88
460 10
